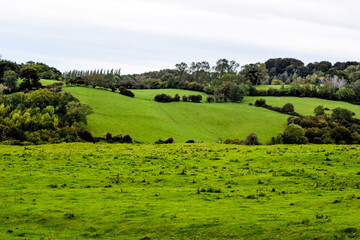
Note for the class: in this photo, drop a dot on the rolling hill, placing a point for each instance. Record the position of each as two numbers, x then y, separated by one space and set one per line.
147 121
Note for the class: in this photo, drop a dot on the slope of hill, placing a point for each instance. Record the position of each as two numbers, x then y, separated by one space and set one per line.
147 120
305 106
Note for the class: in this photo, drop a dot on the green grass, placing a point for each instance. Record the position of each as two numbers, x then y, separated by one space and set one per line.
266 87
202 191
150 94
305 106
146 120
46 82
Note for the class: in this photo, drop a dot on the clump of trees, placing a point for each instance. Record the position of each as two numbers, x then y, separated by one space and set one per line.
166 98
126 92
192 98
119 138
288 108
167 141
340 127
251 139
42 116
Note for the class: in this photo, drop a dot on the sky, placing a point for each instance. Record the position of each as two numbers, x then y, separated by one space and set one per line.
145 35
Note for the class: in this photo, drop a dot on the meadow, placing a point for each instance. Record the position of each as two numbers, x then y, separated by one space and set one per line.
180 191
147 121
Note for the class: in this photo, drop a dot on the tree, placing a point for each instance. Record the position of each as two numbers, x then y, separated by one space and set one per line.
10 79
294 134
252 139
288 107
77 112
236 93
319 110
346 94
342 115
255 73
341 135
181 68
30 78
224 66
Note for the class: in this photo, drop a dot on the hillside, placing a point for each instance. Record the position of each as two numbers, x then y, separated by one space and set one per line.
147 120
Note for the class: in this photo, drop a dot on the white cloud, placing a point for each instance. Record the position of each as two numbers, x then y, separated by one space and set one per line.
169 31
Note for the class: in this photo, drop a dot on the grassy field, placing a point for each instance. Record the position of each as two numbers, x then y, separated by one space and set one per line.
305 106
146 120
266 87
202 191
46 82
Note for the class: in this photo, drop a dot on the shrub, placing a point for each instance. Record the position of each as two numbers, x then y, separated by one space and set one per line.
312 133
169 140
126 92
341 134
233 141
210 99
190 141
185 98
288 107
346 94
127 139
294 134
319 110
342 115
108 136
276 82
163 98
252 139
176 98
260 102
195 98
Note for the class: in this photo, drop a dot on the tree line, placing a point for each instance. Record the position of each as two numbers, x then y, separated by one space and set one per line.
227 81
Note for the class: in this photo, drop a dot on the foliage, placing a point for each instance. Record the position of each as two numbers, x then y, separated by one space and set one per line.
251 139
126 92
319 110
42 117
294 134
30 78
10 79
288 107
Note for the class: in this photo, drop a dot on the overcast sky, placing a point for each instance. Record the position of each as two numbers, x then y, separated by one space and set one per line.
143 35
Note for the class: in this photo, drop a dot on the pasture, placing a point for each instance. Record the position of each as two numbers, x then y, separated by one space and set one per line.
180 191
147 121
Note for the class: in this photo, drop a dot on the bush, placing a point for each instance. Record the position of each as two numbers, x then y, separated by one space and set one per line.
341 134
176 98
288 107
260 102
319 110
167 141
195 98
185 98
126 92
190 141
163 98
233 141
127 139
276 82
294 134
210 99
251 139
